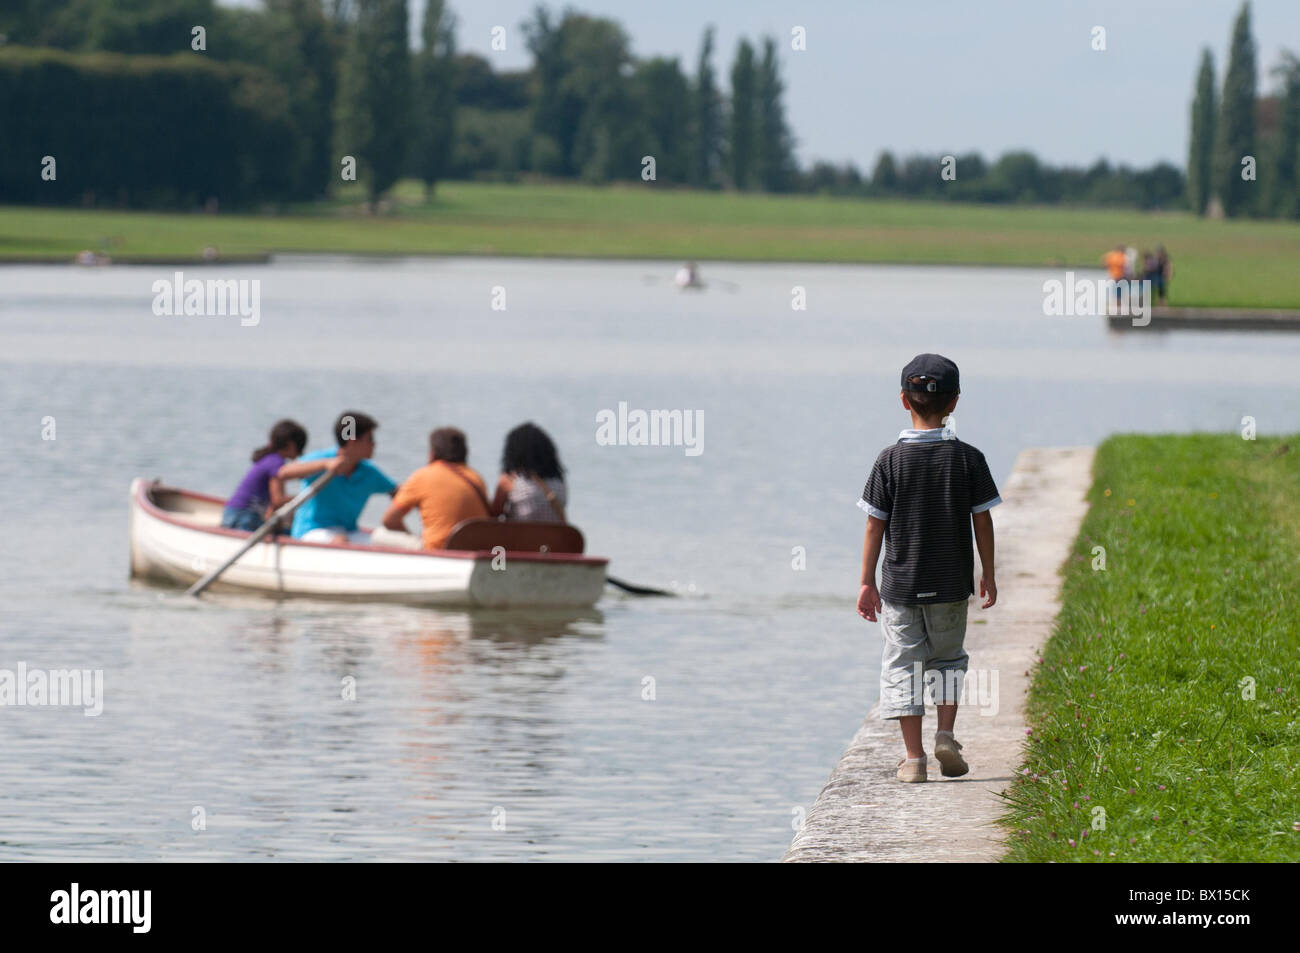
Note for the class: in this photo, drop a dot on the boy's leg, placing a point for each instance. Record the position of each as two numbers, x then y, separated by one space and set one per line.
902 667
383 536
911 726
947 717
946 630
325 534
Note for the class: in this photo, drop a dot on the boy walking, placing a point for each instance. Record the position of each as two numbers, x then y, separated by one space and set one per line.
922 497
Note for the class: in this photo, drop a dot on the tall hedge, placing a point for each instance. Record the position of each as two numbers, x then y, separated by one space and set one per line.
171 131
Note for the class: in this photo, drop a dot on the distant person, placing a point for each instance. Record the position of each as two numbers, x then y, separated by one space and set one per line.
531 486
1164 272
1116 262
446 491
688 276
331 515
1149 263
261 491
924 495
1147 260
1130 262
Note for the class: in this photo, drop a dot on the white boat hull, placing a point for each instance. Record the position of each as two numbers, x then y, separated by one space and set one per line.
176 538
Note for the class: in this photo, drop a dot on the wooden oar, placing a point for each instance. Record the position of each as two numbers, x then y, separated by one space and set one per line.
637 590
306 494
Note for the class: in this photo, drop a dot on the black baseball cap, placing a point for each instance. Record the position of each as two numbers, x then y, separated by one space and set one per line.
936 374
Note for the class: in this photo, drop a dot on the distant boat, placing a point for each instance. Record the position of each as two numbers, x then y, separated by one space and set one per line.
176 537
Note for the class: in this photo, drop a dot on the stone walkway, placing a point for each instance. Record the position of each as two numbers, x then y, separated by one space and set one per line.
1213 319
863 813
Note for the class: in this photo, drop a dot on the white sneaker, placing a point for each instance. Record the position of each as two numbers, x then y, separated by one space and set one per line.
911 771
947 750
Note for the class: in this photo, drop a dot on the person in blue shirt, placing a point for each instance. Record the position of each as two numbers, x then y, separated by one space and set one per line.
331 515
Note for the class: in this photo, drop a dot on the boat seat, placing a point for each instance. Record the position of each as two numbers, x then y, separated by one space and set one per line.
516 536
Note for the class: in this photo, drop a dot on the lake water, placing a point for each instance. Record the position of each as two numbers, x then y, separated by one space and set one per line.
510 736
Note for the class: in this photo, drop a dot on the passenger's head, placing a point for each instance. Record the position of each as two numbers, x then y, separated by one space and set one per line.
355 432
288 438
449 444
529 450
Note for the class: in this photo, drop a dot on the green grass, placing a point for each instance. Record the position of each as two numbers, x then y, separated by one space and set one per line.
1137 706
1217 263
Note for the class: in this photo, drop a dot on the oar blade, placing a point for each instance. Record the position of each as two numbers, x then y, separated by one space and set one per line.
637 590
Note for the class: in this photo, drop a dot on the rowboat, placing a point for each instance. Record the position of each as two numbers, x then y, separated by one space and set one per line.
176 537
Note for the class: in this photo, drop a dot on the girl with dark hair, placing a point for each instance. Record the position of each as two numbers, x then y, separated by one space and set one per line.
531 486
261 492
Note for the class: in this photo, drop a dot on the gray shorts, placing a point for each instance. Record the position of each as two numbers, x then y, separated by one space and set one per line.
924 657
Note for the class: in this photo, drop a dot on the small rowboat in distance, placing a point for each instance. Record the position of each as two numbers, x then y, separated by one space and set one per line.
176 537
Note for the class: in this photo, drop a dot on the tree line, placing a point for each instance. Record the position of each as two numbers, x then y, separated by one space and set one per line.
301 84
1244 154
1015 177
282 93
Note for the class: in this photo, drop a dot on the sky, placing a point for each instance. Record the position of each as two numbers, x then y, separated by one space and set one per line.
948 76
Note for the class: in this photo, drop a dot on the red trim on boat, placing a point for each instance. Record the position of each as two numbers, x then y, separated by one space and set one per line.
157 512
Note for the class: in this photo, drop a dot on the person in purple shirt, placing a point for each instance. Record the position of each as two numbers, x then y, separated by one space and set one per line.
261 491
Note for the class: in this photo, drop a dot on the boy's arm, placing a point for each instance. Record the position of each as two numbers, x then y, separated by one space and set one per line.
868 596
386 484
405 499
394 516
984 543
297 469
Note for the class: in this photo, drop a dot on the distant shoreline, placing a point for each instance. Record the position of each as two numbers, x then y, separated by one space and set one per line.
1162 318
1217 264
1216 319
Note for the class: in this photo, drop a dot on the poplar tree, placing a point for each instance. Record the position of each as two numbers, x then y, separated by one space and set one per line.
706 105
1284 192
1235 130
775 166
1200 157
742 141
434 110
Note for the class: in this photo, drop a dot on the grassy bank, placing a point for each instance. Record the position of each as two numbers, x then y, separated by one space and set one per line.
1224 264
1137 707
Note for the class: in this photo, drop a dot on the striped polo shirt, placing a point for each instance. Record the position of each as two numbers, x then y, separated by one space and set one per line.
926 486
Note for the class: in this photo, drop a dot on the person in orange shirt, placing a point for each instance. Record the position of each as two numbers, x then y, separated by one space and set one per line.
1116 261
446 490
